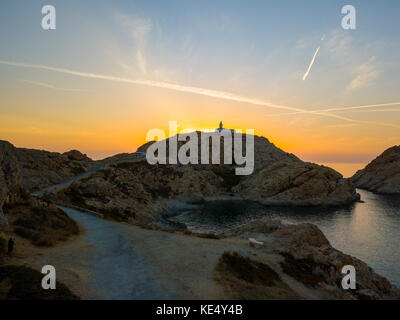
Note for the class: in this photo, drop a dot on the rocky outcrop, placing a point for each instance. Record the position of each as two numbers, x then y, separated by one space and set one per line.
280 178
23 171
10 178
40 169
297 183
305 255
138 191
382 175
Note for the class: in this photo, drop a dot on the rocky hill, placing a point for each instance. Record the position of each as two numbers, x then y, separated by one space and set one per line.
381 175
40 169
25 170
283 179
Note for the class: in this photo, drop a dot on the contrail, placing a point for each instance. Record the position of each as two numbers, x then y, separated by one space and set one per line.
375 110
47 85
311 63
171 86
189 89
353 108
361 107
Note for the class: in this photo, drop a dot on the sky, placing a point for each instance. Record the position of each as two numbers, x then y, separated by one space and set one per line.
111 71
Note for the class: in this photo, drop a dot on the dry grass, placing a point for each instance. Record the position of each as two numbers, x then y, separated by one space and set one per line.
202 235
303 269
23 283
44 225
250 280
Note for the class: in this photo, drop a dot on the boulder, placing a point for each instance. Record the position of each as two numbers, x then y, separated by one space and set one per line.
297 183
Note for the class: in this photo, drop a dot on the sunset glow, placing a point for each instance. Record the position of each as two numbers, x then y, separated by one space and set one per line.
135 68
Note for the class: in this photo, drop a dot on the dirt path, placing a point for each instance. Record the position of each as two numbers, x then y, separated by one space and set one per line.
111 260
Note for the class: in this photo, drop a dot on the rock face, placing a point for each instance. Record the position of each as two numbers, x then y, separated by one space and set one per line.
10 178
294 182
306 256
40 169
382 175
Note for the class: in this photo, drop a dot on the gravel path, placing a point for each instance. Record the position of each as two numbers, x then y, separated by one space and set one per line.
117 270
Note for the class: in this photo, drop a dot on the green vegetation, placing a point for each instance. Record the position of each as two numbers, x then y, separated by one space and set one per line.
23 283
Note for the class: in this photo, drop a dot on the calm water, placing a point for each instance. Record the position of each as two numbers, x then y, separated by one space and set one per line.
369 231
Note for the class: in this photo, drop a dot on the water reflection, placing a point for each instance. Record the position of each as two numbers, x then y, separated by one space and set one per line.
369 230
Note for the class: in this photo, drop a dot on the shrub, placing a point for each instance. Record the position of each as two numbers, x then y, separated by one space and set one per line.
21 282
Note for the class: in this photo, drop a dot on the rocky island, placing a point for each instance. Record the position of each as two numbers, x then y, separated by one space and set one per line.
382 175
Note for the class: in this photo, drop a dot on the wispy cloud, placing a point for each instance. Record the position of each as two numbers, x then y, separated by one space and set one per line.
366 73
49 86
343 125
141 61
139 30
188 89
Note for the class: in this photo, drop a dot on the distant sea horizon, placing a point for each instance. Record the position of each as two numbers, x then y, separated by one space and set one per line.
346 169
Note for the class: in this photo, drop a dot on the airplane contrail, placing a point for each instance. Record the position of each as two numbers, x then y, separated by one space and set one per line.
181 88
171 86
311 64
361 107
354 108
47 85
375 110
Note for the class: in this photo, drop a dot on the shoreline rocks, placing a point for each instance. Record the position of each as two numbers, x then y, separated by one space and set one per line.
307 257
382 175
